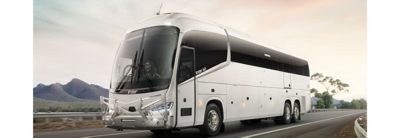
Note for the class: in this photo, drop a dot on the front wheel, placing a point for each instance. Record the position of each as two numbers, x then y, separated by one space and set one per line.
212 121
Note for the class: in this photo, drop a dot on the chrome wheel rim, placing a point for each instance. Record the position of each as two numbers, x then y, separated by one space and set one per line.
213 120
287 113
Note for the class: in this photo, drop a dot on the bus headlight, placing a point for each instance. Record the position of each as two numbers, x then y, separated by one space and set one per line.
162 107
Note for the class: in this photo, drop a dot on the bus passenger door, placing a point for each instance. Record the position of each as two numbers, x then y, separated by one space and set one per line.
186 88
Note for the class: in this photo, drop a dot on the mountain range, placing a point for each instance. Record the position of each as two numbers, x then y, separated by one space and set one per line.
74 91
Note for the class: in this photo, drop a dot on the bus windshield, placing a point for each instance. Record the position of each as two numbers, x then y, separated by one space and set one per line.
145 60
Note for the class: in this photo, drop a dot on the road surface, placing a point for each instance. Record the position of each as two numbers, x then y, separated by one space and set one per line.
319 124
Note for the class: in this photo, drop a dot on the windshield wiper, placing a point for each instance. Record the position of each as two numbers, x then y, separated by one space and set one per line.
134 65
122 82
132 68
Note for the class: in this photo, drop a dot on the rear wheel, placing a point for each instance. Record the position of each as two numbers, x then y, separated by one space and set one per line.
212 121
286 117
296 113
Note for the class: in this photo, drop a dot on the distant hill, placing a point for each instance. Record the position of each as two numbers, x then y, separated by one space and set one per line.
74 91
75 96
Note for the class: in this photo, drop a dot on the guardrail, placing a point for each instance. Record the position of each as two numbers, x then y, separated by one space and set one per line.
318 110
67 116
360 132
79 116
327 110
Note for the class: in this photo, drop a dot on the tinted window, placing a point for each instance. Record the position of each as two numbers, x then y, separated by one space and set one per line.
256 55
306 70
186 65
210 48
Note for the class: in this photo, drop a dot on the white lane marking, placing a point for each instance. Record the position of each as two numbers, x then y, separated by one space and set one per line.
263 133
114 134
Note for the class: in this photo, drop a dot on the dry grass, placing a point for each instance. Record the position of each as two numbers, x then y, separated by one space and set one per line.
68 125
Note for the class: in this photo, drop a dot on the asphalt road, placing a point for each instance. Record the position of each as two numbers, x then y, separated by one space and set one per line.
319 124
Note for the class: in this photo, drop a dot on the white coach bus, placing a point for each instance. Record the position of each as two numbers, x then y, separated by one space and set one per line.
176 71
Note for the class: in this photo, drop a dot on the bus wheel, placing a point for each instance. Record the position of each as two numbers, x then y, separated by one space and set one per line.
212 121
296 113
286 118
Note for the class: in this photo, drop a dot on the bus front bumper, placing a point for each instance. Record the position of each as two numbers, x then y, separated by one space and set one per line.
156 115
137 122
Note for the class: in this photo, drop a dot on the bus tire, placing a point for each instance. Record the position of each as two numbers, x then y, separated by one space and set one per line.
296 113
212 121
286 117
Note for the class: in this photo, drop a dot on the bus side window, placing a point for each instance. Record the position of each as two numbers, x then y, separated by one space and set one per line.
186 65
211 48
